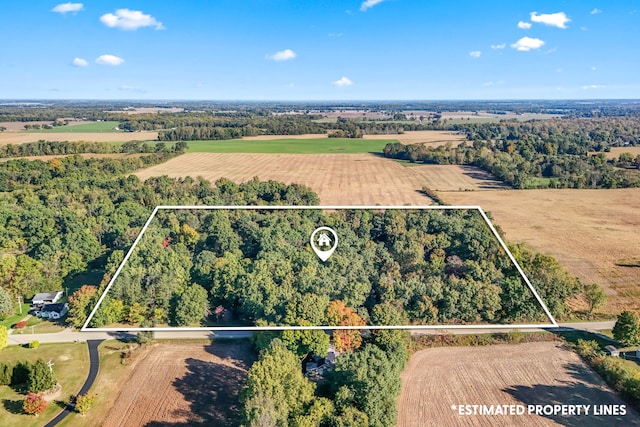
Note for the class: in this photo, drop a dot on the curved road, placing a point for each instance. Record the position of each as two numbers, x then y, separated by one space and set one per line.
94 365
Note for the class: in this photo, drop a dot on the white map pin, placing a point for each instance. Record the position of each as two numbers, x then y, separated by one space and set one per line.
323 242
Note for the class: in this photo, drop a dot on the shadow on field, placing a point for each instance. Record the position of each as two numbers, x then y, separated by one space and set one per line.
213 388
578 391
13 406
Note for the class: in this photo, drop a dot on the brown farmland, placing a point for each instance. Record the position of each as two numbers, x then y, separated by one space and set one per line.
589 231
524 374
184 384
339 179
433 138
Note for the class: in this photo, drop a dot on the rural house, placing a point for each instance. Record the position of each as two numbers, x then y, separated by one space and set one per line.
53 311
46 298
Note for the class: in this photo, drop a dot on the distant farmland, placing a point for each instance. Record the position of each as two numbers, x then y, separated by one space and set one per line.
97 127
289 146
346 179
591 232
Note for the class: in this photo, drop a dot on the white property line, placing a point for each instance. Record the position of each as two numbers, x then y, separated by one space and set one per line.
553 323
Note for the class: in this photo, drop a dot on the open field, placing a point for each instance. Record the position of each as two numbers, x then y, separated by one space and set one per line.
19 126
289 146
181 383
587 230
616 151
339 179
80 127
432 138
71 365
523 374
21 137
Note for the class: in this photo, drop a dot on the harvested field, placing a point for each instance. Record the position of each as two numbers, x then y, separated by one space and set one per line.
339 179
21 137
184 384
524 374
433 138
19 126
616 151
587 230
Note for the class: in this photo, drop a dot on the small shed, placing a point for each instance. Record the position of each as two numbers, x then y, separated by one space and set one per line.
612 351
46 298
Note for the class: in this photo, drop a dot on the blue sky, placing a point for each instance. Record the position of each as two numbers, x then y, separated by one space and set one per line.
319 50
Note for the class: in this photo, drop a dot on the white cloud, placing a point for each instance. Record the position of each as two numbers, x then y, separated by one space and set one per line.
335 34
283 55
589 87
527 43
109 60
524 25
68 7
126 19
558 19
79 62
593 68
475 54
489 84
595 11
129 88
343 82
498 46
369 3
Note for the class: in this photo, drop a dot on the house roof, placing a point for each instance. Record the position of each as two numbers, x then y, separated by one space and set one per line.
53 307
610 348
43 296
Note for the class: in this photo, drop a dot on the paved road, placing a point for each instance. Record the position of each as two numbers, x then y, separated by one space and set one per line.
69 335
94 366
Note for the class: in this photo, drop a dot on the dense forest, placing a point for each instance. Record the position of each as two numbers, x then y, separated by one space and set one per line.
566 153
433 266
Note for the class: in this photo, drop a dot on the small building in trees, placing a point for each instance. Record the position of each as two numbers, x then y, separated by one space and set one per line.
46 298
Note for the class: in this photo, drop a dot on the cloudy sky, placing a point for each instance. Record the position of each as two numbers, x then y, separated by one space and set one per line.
320 50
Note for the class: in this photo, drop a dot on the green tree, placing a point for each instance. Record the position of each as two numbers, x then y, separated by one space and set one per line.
192 305
81 302
595 296
627 328
4 337
303 342
276 391
34 404
6 304
40 377
84 402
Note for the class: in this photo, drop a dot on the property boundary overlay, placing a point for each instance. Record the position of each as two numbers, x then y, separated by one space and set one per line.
552 324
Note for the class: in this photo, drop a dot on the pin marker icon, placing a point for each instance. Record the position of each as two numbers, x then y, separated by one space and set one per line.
323 242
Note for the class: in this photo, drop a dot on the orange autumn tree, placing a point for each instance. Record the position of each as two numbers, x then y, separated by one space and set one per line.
338 314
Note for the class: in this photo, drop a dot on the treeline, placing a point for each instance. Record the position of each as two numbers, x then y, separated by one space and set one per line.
216 126
47 148
541 154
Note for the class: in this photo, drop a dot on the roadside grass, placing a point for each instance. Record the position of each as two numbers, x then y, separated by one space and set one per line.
290 146
40 326
71 366
97 127
111 377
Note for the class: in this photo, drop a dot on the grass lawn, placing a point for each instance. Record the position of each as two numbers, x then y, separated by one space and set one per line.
290 146
88 127
71 366
111 378
40 326
16 317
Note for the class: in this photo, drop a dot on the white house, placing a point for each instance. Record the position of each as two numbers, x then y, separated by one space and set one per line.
46 298
53 311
